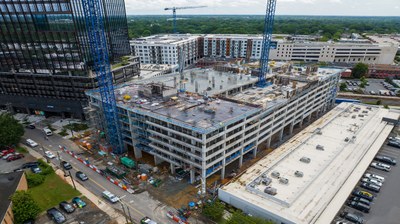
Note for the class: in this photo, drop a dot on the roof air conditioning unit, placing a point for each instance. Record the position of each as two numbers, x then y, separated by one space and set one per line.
298 173
283 180
320 147
305 159
275 174
270 190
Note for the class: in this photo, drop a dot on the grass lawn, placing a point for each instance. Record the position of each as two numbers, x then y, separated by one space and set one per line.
52 191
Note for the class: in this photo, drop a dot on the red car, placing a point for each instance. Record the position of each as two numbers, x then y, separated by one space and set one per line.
15 157
6 151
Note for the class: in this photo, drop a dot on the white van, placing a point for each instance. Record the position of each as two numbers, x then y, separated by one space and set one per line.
109 196
31 143
47 131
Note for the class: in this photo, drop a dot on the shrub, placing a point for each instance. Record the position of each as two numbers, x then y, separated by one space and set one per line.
34 179
214 210
24 207
46 168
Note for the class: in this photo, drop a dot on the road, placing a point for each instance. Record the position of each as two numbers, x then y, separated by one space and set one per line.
140 205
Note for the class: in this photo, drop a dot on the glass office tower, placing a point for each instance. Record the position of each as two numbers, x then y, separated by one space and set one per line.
45 61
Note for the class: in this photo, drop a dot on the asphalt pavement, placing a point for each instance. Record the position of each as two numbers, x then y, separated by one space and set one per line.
140 205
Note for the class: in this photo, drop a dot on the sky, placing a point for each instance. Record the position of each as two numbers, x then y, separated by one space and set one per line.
284 7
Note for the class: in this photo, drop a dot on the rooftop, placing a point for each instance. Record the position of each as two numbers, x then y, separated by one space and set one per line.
311 170
164 39
8 185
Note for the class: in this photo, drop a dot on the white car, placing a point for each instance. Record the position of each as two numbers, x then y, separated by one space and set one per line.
8 155
381 166
372 181
109 196
49 155
374 176
31 143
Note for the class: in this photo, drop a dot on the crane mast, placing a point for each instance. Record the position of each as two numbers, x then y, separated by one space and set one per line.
94 21
266 44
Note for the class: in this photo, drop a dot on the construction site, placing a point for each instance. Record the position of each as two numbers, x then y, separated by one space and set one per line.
220 118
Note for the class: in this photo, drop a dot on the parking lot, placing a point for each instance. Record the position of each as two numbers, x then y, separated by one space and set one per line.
385 207
89 214
374 87
6 167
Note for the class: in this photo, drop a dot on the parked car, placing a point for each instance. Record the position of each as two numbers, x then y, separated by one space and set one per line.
29 165
56 215
374 176
49 155
363 194
381 166
36 169
66 165
147 220
352 217
371 181
80 175
371 187
67 207
359 206
8 156
30 126
31 143
386 159
6 152
78 202
110 196
15 157
47 131
395 144
361 200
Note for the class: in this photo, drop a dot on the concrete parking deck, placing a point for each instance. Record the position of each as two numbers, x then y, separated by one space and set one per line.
347 138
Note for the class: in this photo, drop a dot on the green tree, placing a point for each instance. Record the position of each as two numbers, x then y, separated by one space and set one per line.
10 130
24 207
239 218
359 70
343 86
214 210
379 102
146 33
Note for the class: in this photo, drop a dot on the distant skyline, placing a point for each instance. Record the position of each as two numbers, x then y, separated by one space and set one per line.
257 7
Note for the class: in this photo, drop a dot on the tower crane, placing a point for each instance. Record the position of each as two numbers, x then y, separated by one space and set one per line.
179 8
266 44
93 16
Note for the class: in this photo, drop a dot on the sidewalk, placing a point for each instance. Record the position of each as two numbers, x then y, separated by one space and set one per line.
115 216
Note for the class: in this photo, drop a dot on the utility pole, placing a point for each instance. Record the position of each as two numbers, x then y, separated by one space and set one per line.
72 179
123 209
129 213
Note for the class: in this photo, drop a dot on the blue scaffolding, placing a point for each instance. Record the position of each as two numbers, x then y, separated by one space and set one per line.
93 15
266 44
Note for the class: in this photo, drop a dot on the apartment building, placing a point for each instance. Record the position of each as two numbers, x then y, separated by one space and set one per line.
204 133
45 60
163 49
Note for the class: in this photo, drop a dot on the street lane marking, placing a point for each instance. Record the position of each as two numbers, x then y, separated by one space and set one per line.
140 213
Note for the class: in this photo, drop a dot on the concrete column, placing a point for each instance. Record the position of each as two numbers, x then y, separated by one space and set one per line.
138 153
158 160
192 175
301 122
268 145
255 152
291 128
309 118
223 171
203 182
27 111
281 134
241 158
172 168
